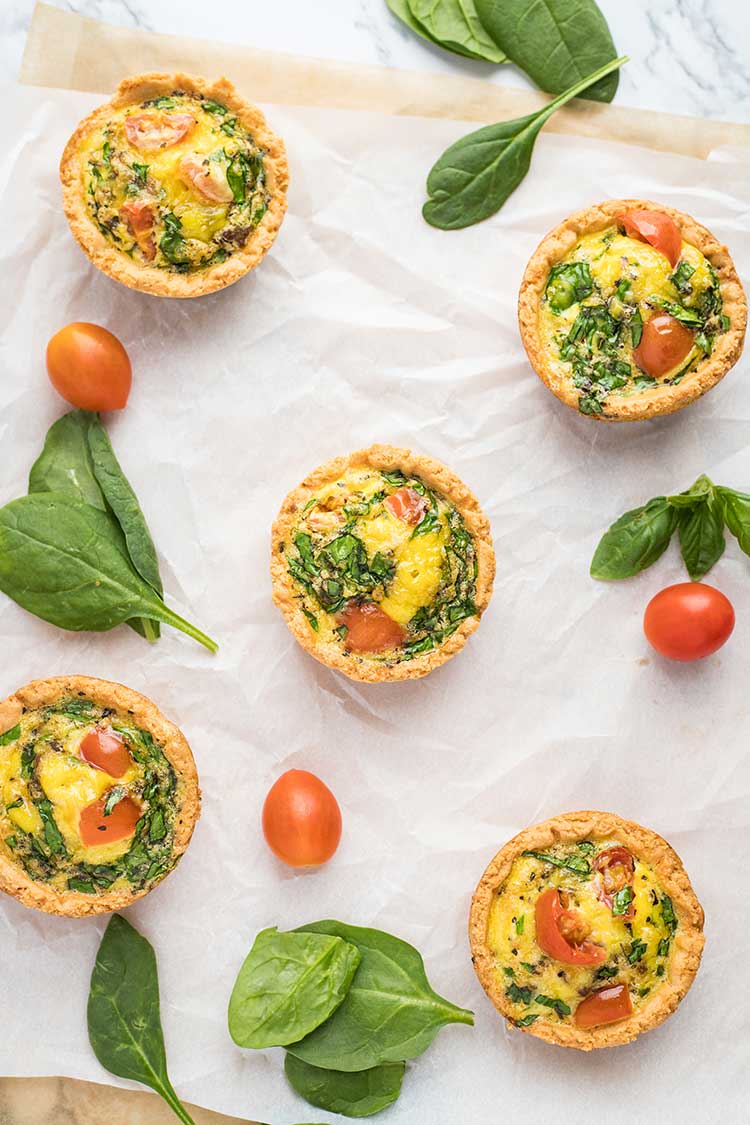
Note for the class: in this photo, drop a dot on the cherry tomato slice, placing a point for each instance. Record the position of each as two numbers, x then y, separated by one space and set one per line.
664 343
370 629
96 828
406 504
208 179
138 216
149 132
606 1005
89 367
615 868
301 820
558 930
106 751
688 621
657 229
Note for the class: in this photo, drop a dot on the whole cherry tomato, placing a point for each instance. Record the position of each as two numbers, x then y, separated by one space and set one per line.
406 504
664 343
301 820
688 621
657 229
106 751
562 934
89 367
369 628
96 826
606 1005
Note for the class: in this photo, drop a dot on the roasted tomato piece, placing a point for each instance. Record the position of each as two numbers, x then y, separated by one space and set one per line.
406 504
149 132
370 629
606 1005
138 215
207 177
563 934
657 229
614 869
664 343
95 826
106 751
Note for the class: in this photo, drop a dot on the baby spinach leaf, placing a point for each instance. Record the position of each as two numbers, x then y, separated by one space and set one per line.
735 508
701 531
59 559
124 1022
358 1093
567 283
556 42
65 464
635 541
11 735
289 984
390 1013
455 25
52 835
475 176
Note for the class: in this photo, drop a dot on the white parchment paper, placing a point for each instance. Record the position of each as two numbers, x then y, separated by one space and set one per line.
365 324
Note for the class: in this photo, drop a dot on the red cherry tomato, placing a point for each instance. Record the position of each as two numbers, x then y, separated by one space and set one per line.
94 827
370 629
657 229
561 933
664 343
301 820
139 215
149 132
688 621
207 177
106 751
406 504
606 1005
89 367
614 869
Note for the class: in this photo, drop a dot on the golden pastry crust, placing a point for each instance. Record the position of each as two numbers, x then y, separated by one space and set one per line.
41 693
436 476
652 402
148 279
645 845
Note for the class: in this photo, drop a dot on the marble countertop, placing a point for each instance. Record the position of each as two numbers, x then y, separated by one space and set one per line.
687 56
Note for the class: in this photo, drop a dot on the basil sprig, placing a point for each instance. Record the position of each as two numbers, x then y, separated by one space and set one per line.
699 514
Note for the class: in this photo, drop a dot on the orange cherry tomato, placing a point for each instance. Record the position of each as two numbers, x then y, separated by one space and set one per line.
615 869
370 629
560 933
664 343
149 132
406 504
688 621
139 216
106 751
301 820
94 827
207 177
606 1005
657 229
89 367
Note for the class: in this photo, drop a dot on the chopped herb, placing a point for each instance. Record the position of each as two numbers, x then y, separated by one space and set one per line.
558 1006
568 283
526 1021
668 915
28 758
52 834
637 949
113 798
621 900
17 804
211 106
605 972
141 172
312 620
663 947
519 995
636 328
11 735
575 863
520 923
681 277
509 972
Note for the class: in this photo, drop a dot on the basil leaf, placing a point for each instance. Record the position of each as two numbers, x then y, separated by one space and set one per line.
390 1013
455 25
59 560
475 176
557 42
701 531
701 489
289 984
621 900
735 508
11 735
635 541
575 863
358 1093
124 1022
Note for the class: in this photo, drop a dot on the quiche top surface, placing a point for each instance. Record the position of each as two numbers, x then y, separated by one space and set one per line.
630 309
176 186
98 796
382 563
586 933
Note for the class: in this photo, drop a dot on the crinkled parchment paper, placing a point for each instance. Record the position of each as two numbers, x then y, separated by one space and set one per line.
365 324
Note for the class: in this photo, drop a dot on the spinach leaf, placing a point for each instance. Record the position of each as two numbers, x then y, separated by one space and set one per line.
637 949
124 1022
289 984
52 835
172 242
701 531
567 283
735 508
237 178
358 1093
59 560
689 317
113 799
556 42
621 900
575 863
65 464
475 176
635 541
455 25
11 735
390 1013
681 277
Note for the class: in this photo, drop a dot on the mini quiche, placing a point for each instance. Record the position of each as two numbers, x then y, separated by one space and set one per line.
585 930
98 796
629 310
175 187
382 564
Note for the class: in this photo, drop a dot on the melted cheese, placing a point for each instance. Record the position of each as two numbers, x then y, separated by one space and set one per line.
419 564
71 784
